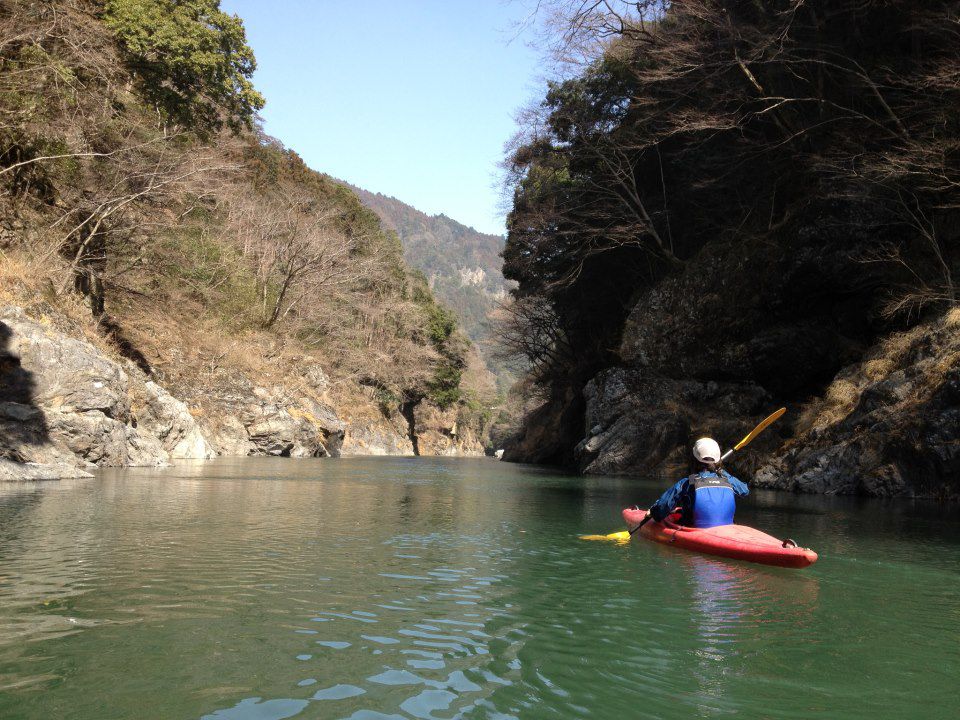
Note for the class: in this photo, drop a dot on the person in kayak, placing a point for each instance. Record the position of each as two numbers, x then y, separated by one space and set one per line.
706 498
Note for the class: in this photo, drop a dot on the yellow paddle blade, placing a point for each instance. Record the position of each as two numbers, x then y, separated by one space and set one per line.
622 535
760 428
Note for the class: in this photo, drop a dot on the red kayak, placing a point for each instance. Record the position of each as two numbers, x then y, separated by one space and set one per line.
732 541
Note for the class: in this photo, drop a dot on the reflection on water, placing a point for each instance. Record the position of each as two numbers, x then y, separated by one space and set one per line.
262 589
732 601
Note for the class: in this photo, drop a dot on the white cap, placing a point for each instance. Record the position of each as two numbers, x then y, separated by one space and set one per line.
706 450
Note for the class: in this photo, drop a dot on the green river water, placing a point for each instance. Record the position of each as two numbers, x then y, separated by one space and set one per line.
261 589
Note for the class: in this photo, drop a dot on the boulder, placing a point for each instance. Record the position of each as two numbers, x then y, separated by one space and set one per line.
170 421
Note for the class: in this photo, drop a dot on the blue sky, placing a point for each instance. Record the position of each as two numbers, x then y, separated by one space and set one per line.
411 98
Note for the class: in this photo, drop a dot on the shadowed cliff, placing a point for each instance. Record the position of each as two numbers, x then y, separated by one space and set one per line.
22 422
738 206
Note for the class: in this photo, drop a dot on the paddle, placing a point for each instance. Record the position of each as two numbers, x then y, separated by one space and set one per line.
767 422
764 424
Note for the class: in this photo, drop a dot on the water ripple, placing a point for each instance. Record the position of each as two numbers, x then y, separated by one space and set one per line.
379 590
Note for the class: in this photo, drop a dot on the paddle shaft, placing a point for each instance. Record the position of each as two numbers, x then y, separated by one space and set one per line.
642 523
764 424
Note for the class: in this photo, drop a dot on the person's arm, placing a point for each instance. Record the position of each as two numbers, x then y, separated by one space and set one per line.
739 487
669 500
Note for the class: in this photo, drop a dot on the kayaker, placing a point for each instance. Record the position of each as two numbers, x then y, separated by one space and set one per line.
706 497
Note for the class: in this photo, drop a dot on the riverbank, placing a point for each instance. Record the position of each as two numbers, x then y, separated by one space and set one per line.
887 424
70 405
175 283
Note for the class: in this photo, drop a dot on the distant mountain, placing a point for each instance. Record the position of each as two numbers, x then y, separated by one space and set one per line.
462 265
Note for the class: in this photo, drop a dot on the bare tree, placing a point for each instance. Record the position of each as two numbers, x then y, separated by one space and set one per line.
296 248
529 328
105 230
727 98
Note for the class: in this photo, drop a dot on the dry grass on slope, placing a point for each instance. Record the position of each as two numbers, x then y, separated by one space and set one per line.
214 260
919 359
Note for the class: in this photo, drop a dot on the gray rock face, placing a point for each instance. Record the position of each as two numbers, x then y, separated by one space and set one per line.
274 432
888 425
169 420
70 375
11 471
319 427
66 407
252 420
229 437
639 423
376 437
103 441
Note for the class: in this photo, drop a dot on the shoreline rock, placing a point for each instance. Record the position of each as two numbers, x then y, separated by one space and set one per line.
66 408
887 425
65 403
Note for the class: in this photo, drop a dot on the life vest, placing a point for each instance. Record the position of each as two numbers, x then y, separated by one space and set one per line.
713 500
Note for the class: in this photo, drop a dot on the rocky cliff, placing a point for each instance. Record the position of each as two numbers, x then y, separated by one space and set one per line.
715 348
888 424
736 206
65 407
176 284
68 407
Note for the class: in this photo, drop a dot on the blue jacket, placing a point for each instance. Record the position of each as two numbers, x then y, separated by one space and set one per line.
682 495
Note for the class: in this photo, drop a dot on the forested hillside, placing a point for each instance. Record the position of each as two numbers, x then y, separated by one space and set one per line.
144 209
463 266
733 205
